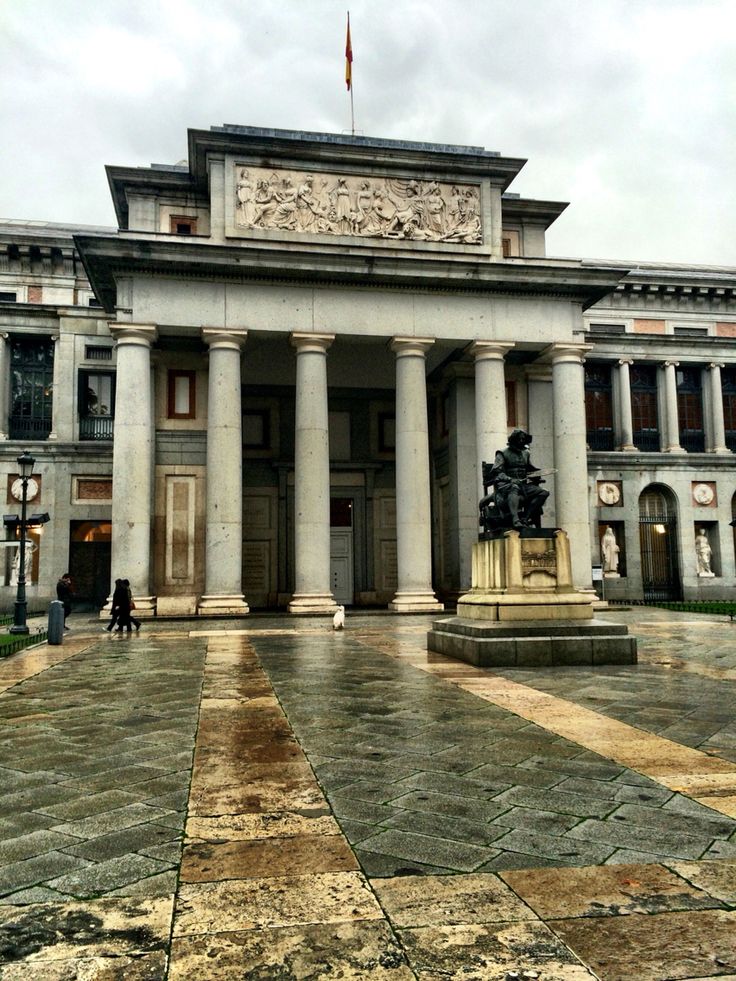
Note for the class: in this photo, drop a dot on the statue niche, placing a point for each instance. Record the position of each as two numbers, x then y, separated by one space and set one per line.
513 497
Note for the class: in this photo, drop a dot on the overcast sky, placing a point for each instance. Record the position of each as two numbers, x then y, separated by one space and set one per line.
625 108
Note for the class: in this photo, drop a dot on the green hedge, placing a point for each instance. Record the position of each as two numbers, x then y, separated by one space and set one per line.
722 607
11 643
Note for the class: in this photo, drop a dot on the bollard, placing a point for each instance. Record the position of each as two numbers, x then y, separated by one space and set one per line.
56 622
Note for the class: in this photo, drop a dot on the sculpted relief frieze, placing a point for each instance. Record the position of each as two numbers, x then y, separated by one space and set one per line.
377 207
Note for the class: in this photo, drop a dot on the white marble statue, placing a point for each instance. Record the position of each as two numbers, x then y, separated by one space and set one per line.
609 553
703 555
15 571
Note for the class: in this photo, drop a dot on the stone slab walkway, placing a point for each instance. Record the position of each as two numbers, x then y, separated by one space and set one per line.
273 800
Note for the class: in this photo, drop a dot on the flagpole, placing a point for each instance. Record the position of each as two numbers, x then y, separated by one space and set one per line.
349 74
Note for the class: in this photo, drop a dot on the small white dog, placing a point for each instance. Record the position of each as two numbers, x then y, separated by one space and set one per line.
338 621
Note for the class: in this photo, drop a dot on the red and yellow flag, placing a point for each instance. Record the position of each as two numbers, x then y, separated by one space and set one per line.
348 59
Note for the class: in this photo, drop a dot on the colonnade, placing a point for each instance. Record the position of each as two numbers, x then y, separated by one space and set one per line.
670 443
134 455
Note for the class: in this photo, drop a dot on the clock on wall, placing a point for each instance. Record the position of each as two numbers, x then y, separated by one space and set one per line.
16 489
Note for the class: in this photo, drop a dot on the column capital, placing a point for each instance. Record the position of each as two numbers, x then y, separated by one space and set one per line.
566 353
140 334
671 364
232 340
406 346
717 364
315 343
489 350
628 361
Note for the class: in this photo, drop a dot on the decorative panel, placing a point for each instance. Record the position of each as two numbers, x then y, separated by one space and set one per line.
357 206
180 513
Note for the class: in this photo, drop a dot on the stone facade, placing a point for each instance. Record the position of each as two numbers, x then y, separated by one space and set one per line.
241 403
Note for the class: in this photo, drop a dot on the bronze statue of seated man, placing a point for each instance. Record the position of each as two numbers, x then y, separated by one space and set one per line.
517 500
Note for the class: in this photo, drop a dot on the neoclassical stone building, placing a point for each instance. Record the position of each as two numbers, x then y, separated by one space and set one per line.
274 383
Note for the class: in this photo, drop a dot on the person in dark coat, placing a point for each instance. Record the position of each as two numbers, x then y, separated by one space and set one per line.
64 593
125 604
115 606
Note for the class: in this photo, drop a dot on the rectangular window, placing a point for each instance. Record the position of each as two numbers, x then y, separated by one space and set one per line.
182 225
7 297
511 403
644 410
690 409
93 353
598 407
93 302
96 404
31 390
181 395
728 381
256 429
386 432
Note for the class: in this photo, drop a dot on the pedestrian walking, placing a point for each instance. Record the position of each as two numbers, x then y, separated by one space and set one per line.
64 593
126 621
115 605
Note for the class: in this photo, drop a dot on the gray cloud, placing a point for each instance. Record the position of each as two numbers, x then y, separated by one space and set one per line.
623 107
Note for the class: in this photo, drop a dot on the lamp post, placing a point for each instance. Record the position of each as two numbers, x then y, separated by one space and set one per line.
25 464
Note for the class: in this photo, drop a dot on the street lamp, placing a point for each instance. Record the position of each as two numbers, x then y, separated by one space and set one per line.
25 465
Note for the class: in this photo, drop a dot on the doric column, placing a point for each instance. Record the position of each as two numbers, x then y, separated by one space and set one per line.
132 462
718 426
570 449
223 564
670 396
413 503
491 423
624 403
4 385
312 593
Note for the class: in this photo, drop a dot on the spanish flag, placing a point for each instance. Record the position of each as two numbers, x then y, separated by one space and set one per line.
348 58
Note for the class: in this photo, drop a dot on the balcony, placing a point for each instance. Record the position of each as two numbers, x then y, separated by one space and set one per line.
26 427
96 427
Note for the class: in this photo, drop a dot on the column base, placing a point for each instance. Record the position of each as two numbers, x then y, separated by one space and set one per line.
302 604
145 606
415 601
627 448
222 604
721 450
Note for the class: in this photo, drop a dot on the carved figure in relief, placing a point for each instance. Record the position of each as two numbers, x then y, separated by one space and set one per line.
245 197
389 208
285 214
610 551
703 554
15 570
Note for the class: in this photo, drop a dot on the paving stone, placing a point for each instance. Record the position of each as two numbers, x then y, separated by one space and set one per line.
36 843
671 845
444 826
139 838
37 870
718 879
378 866
668 945
346 950
491 953
526 819
552 800
461 856
302 855
548 846
452 806
222 907
428 900
89 804
618 890
102 877
113 820
23 823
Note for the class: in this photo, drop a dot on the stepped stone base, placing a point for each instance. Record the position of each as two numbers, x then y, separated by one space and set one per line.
532 643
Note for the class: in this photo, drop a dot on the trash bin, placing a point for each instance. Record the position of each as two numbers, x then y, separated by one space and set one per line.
56 622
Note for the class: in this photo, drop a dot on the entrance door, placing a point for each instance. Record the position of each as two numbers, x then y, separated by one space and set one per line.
657 537
89 560
341 550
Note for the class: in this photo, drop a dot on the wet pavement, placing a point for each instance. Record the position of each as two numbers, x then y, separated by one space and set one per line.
266 798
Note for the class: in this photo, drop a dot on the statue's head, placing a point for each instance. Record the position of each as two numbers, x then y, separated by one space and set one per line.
519 439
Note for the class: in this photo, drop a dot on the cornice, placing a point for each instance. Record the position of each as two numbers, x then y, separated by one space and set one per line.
107 258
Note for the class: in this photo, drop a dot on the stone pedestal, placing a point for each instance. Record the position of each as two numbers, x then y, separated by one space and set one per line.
524 611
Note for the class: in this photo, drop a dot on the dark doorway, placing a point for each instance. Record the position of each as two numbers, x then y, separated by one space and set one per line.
658 540
89 560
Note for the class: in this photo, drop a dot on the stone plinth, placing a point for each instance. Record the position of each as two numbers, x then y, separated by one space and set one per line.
524 611
532 644
524 575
